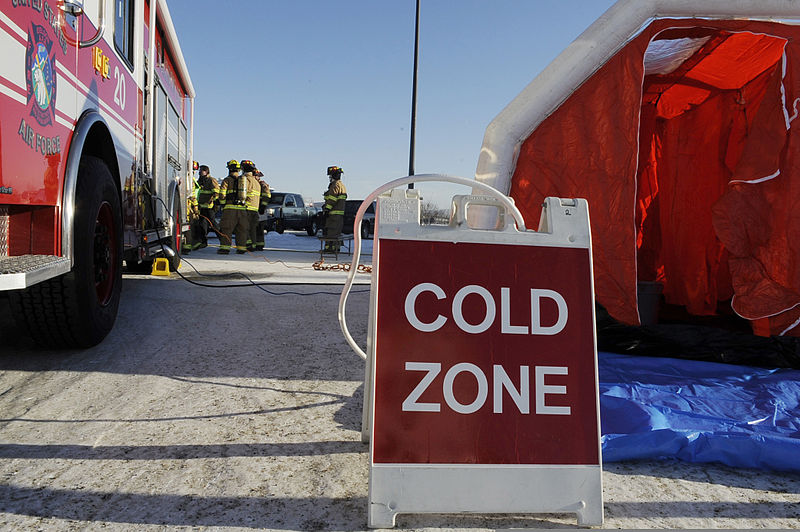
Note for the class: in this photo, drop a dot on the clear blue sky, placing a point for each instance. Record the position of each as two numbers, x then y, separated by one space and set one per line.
299 85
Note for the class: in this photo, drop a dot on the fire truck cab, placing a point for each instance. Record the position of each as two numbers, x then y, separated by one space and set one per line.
96 108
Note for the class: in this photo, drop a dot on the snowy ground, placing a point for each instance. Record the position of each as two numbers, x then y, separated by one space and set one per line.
240 408
288 258
300 241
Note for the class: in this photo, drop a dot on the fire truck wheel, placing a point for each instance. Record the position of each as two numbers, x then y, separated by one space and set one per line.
78 309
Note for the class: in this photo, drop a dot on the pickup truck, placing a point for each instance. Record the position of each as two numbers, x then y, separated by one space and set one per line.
350 208
367 222
287 210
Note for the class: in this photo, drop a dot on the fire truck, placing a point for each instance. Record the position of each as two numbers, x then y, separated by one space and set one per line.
96 108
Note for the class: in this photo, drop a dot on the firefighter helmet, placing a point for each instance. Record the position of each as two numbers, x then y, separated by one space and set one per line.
335 172
248 165
233 164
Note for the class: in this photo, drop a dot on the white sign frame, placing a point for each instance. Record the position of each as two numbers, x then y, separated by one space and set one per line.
477 488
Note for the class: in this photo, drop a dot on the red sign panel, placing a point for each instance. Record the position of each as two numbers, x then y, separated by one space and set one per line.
484 355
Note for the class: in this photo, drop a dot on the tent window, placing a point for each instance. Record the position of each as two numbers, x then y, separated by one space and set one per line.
681 73
664 56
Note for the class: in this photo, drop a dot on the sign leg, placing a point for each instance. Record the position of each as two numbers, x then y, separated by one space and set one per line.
380 516
366 412
591 514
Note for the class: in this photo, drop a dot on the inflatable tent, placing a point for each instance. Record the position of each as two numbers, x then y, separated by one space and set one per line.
675 119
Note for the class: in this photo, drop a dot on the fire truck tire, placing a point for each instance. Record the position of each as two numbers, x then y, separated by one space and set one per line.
79 309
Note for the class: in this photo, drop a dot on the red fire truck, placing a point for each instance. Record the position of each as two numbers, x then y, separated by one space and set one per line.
96 108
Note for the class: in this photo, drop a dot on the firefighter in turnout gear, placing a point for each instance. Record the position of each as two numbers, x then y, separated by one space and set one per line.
234 215
333 210
206 199
252 200
265 195
194 239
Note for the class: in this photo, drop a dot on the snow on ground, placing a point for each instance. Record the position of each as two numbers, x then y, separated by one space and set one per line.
300 241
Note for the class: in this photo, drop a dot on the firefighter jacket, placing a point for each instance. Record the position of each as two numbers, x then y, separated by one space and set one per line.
192 212
227 190
335 198
208 192
252 191
266 194
240 192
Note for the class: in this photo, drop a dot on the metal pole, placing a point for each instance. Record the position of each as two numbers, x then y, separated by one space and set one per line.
151 83
414 99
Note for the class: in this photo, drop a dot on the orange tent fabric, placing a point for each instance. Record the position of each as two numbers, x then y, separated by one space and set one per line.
684 144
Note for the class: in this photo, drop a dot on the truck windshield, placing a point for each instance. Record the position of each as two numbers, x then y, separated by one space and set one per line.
276 199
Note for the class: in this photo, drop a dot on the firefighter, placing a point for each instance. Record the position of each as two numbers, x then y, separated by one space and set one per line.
206 199
252 200
333 210
234 214
193 240
266 194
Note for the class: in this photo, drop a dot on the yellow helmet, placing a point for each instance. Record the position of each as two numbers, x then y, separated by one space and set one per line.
233 164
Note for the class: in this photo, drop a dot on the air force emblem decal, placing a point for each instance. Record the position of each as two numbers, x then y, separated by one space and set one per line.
40 75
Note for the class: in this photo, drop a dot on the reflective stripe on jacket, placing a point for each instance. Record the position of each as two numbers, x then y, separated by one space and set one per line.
191 207
253 191
266 193
227 190
335 198
208 192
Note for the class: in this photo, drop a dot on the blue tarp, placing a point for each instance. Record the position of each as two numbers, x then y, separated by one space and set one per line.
741 416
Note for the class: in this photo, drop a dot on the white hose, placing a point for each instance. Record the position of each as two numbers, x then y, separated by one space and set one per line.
509 204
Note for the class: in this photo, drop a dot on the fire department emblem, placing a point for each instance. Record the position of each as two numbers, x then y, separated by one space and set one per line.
40 75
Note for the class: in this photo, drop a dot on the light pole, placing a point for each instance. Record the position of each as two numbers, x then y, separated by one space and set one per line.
414 99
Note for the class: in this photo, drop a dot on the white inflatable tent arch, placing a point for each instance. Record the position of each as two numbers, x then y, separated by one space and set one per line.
584 56
740 240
